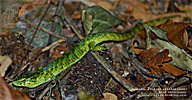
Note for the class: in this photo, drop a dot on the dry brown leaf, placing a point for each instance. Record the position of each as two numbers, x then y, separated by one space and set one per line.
137 50
5 61
176 33
148 54
186 8
106 5
70 8
161 57
109 96
76 15
131 4
157 62
152 59
140 12
86 2
30 5
172 69
7 93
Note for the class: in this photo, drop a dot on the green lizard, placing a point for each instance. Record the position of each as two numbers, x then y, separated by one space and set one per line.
91 42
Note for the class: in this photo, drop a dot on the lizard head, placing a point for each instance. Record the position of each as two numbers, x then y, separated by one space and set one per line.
31 80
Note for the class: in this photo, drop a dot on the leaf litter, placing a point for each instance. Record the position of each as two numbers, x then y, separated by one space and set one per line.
156 60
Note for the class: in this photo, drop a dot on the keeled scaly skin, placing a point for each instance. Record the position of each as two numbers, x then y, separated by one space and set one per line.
54 68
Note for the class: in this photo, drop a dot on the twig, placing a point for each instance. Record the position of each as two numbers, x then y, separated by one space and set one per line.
41 51
51 45
58 9
73 26
61 89
49 88
54 25
35 33
43 29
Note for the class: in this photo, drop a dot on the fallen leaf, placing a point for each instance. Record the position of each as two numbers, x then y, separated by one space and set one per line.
137 50
158 62
172 69
176 33
30 5
34 16
87 20
7 93
186 8
71 9
5 61
155 60
158 32
109 96
76 15
179 58
101 19
140 12
84 96
105 4
160 58
131 4
86 2
148 54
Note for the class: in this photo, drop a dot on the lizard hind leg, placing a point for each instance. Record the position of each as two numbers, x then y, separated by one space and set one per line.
96 47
